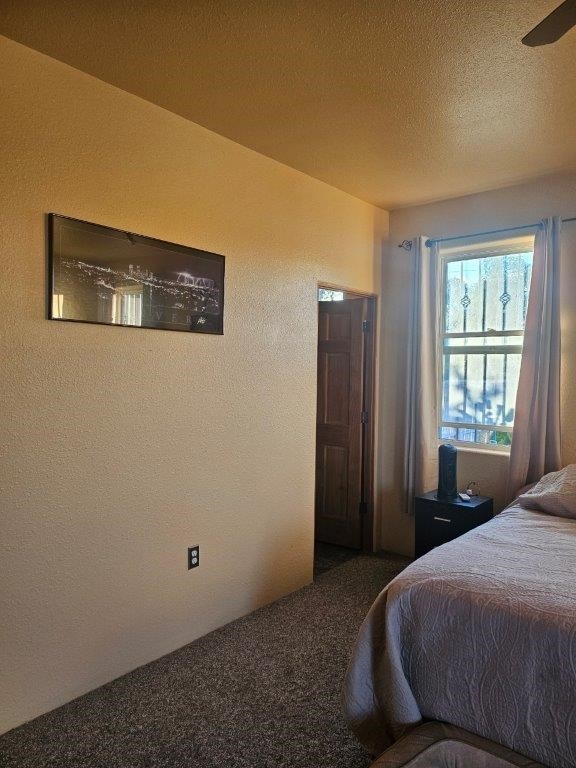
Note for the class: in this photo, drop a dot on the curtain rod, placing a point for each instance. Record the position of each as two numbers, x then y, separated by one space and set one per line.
407 244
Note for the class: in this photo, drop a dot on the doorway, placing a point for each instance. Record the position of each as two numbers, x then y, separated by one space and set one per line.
344 504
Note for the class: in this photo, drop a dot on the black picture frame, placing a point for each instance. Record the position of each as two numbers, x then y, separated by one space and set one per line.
108 276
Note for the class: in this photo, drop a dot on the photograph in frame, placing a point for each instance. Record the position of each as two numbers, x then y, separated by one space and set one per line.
103 275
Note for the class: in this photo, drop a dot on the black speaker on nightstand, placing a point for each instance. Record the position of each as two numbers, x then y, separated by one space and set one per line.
447 488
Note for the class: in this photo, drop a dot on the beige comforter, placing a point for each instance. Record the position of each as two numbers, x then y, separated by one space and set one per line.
480 633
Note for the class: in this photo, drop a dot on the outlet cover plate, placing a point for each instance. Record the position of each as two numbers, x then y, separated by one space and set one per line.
193 557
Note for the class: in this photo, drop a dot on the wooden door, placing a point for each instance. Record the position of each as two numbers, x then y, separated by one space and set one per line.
339 460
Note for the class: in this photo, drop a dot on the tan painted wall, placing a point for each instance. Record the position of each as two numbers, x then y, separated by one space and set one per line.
517 205
125 446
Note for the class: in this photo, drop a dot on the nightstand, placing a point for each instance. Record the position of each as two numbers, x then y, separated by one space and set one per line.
437 522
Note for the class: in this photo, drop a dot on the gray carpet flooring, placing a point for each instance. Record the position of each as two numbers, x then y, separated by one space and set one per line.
327 556
261 692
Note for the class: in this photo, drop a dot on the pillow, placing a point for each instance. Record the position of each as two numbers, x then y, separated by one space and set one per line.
555 493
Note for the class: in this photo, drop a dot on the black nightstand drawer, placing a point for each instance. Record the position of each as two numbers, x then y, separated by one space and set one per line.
438 522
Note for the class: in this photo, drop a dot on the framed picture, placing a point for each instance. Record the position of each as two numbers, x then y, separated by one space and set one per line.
102 275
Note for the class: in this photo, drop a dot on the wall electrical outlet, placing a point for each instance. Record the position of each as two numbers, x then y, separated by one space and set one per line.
193 557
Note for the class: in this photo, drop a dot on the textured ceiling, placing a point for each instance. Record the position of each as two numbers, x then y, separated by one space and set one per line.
397 101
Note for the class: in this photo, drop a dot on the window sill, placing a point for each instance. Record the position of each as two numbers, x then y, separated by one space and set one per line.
501 451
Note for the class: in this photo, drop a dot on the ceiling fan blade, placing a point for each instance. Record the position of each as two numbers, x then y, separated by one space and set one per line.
553 26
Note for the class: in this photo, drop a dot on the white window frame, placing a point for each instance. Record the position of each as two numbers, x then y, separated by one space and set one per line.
474 250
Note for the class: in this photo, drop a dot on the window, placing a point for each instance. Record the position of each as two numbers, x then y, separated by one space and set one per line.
327 294
58 305
485 291
127 305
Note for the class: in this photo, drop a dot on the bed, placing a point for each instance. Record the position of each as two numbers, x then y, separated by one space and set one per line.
479 633
438 745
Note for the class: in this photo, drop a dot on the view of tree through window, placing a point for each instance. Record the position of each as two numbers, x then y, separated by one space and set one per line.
485 298
327 294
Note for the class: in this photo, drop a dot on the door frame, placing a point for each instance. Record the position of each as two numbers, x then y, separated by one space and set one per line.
369 397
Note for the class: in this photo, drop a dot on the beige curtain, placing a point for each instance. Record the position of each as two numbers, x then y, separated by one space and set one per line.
536 441
421 437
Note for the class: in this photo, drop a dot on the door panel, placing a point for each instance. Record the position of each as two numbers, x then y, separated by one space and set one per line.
337 388
335 481
338 325
338 426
